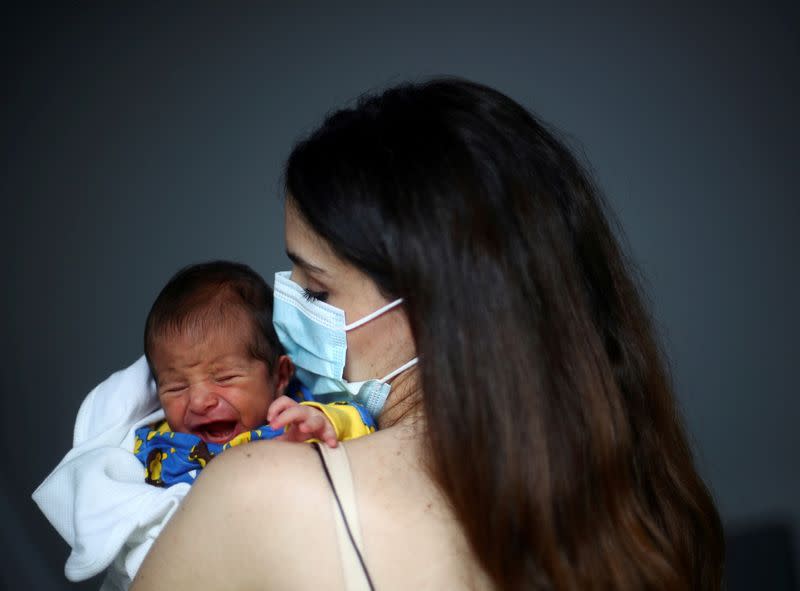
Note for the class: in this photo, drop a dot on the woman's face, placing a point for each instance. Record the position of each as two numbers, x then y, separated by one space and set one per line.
373 349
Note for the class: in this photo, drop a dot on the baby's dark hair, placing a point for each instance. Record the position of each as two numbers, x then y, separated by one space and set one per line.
208 295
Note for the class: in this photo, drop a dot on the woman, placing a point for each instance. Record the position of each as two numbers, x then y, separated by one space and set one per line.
536 444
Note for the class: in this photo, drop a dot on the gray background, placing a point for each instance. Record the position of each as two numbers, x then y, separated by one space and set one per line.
136 140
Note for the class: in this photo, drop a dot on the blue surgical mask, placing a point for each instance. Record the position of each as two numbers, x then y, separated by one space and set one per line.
314 335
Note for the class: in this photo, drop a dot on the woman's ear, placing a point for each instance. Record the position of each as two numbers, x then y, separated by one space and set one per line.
284 371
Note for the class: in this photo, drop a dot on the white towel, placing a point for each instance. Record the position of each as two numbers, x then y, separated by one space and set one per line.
96 497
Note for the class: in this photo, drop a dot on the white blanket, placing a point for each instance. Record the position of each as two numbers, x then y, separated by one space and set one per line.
96 497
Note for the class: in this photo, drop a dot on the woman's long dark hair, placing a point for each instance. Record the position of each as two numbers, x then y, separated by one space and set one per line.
554 432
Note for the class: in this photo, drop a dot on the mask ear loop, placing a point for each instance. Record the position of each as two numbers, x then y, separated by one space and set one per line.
373 315
400 370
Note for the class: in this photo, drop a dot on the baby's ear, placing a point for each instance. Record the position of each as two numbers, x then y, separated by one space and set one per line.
284 371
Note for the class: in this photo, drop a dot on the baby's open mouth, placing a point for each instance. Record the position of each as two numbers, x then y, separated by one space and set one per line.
217 431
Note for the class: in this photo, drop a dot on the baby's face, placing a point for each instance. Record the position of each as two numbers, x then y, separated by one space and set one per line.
210 386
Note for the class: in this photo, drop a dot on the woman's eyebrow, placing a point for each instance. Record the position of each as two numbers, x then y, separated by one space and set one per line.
301 262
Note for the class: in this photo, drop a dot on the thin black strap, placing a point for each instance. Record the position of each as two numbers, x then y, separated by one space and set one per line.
344 517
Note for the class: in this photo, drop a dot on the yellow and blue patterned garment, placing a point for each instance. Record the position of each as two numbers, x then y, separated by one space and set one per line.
169 457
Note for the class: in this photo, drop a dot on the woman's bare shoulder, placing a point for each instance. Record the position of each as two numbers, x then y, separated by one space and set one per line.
261 463
268 485
250 514
271 476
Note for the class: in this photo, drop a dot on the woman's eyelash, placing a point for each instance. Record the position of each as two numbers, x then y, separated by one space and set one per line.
312 295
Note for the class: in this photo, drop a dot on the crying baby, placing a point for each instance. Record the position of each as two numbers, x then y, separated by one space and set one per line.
222 377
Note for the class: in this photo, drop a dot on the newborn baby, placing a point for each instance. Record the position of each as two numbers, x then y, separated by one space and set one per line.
222 377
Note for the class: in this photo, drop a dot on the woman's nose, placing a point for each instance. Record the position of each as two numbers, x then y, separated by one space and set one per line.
202 398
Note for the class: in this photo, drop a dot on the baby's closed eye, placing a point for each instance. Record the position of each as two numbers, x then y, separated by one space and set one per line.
226 378
172 388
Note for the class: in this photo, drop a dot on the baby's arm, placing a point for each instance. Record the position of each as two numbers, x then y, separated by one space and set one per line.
337 421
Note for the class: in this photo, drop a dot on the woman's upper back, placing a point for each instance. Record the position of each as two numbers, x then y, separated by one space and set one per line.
263 516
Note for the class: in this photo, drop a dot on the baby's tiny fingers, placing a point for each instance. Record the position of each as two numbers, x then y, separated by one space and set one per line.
279 405
329 435
312 424
293 414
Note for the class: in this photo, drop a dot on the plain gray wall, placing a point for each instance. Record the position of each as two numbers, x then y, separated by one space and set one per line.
137 140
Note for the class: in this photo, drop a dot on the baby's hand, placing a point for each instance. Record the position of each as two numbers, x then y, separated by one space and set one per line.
301 422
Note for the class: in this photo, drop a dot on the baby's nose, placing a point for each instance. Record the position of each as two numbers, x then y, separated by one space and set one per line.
202 398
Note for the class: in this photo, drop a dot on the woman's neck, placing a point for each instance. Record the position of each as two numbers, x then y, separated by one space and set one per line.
404 404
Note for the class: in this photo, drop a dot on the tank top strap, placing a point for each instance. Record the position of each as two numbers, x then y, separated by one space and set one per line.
345 514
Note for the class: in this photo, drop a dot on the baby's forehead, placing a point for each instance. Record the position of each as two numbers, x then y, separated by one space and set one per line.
215 319
234 331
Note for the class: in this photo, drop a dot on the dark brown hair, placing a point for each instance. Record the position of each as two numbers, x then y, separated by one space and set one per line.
206 295
554 432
